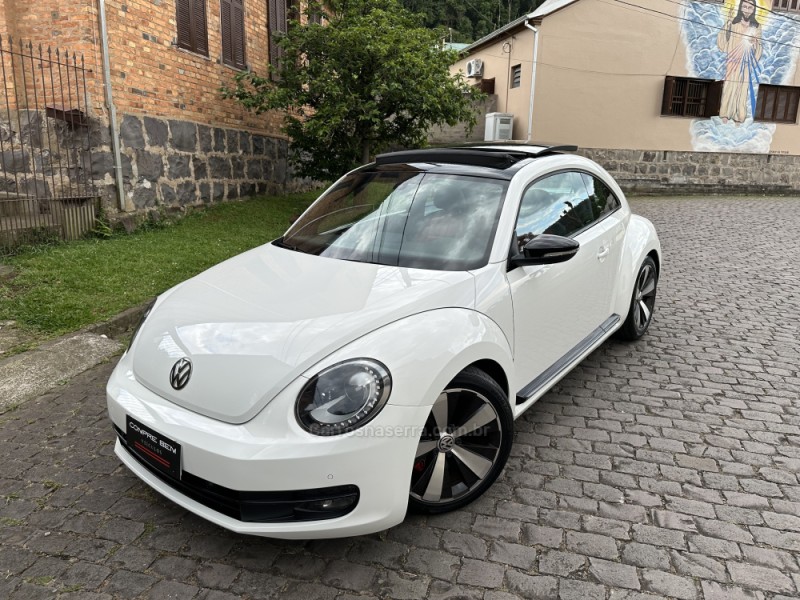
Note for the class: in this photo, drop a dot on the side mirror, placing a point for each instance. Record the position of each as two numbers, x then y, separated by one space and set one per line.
546 249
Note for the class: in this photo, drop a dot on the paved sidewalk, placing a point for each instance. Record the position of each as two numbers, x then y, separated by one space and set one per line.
47 365
664 468
34 372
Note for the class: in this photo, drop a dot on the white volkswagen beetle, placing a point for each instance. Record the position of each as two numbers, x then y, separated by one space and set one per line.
374 358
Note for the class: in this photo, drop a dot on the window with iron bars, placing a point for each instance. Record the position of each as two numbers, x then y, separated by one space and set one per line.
688 97
787 5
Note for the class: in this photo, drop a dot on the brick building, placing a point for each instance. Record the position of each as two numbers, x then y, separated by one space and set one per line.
180 142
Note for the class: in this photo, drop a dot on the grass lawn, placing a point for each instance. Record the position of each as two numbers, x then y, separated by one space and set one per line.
61 288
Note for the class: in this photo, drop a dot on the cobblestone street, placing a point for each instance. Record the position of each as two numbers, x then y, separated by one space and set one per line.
663 468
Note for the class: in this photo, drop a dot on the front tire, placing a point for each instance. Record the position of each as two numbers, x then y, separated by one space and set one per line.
464 445
643 301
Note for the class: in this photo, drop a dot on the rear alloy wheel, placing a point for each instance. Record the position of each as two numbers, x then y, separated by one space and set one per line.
643 302
464 445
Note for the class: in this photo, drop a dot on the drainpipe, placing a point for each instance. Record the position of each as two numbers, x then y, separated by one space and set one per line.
112 111
533 74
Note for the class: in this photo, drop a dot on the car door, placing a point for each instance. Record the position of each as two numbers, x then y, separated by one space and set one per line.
607 208
558 307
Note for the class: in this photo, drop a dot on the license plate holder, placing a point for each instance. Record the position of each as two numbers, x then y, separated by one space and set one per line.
153 448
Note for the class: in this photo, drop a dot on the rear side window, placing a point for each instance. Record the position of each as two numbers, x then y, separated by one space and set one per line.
558 205
603 200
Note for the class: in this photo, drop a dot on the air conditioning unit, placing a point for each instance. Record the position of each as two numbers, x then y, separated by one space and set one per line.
499 126
475 68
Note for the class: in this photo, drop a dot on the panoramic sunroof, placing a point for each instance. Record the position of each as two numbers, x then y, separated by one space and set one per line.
494 157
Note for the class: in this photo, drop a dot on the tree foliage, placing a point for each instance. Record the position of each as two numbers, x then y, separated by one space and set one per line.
370 78
469 20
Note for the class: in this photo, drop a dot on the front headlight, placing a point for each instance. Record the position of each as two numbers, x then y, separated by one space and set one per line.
343 397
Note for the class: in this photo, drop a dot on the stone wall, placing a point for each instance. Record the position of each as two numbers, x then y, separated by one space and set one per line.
671 172
42 157
182 142
45 187
668 172
170 162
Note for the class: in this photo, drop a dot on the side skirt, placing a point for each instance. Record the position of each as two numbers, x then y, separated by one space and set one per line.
559 368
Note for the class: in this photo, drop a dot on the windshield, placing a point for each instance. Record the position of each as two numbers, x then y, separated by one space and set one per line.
403 218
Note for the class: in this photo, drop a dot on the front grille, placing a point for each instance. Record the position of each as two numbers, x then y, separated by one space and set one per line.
258 507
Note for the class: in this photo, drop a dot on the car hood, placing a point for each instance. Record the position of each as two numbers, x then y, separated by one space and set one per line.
257 321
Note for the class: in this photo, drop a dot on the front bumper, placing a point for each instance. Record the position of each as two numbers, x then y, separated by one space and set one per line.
272 454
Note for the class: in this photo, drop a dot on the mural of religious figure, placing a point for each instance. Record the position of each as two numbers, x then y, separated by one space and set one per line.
742 43
740 40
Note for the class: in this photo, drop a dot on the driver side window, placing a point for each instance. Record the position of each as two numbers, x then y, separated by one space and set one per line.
558 205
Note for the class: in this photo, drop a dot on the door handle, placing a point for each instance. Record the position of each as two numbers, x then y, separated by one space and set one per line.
601 255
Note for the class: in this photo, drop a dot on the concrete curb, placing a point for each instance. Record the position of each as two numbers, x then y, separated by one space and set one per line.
32 373
120 324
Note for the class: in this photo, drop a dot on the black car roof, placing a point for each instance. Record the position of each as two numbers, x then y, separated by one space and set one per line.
500 161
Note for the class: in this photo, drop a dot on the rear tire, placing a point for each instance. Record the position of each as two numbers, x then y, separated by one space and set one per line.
464 446
643 301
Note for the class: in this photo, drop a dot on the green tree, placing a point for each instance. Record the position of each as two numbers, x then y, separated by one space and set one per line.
469 20
370 78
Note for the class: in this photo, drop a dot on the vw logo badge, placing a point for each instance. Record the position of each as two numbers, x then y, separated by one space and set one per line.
181 373
446 443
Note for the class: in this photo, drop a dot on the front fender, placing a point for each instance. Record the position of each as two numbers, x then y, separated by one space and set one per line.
640 240
424 352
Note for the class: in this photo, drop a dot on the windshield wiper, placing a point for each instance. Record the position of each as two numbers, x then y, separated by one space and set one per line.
281 244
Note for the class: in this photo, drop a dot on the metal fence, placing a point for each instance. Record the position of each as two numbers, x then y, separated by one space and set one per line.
46 188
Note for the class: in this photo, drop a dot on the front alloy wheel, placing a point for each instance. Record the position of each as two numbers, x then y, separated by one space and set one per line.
464 445
643 302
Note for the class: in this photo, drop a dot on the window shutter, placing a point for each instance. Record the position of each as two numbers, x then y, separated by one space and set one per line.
777 104
794 101
666 99
184 23
516 76
226 25
237 30
281 17
232 25
713 99
190 16
272 8
277 24
200 29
